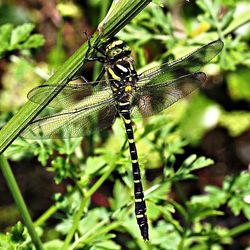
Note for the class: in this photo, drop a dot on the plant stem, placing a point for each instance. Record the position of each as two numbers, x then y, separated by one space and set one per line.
79 213
46 215
16 194
50 211
239 229
94 232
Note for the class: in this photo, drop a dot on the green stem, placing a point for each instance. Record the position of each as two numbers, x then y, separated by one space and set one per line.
16 194
46 215
209 5
105 230
118 19
95 232
79 213
238 21
77 183
50 211
239 229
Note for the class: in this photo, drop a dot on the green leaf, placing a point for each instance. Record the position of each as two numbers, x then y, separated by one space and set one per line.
18 38
236 205
201 211
120 135
18 233
214 198
34 41
158 122
246 210
241 17
5 34
188 162
227 18
238 84
158 192
21 33
53 245
189 165
201 162
92 219
106 245
240 193
196 121
121 197
236 122
165 237
94 164
69 146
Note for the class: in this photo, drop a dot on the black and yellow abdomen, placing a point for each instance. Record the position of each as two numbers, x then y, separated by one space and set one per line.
123 82
140 205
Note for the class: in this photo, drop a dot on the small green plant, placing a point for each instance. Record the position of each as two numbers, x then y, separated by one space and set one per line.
18 38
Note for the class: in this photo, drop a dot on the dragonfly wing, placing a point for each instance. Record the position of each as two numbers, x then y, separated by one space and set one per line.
73 123
71 95
150 100
186 65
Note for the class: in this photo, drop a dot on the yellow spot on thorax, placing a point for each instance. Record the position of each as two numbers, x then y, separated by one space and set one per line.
128 88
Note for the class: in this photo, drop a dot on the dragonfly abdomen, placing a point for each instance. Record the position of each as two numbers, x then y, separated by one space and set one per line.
140 205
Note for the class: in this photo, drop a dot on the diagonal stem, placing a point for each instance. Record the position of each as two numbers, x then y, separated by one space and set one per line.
16 194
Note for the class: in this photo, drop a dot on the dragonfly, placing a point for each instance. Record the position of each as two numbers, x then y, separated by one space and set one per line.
81 109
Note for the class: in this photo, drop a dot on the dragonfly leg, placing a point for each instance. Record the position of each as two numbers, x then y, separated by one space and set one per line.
83 78
80 76
100 75
101 59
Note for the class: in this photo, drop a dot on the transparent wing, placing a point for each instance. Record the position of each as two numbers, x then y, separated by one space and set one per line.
72 95
73 123
180 67
151 99
80 109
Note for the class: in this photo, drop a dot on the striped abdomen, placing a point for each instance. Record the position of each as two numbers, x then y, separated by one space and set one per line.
140 205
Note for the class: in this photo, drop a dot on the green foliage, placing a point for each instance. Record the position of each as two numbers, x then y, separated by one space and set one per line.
209 25
97 226
18 38
236 122
18 238
235 192
21 75
238 84
99 166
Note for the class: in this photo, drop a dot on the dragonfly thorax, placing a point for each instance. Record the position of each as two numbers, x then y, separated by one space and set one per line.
123 77
120 67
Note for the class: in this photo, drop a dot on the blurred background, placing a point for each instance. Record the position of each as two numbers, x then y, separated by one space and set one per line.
213 122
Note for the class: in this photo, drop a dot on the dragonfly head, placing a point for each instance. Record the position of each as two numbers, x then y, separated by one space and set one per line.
117 49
